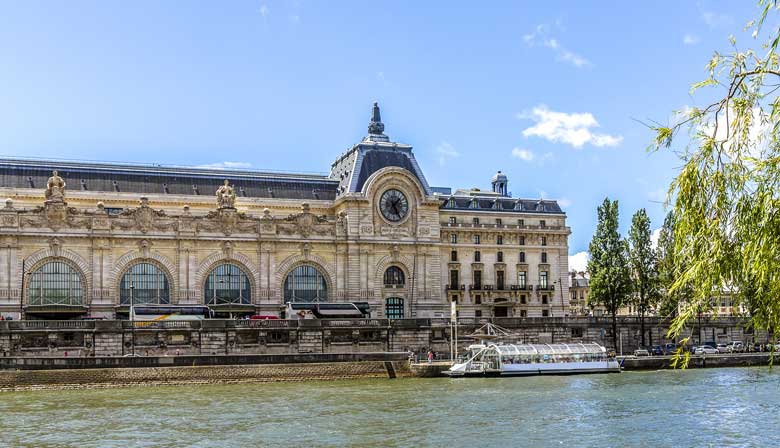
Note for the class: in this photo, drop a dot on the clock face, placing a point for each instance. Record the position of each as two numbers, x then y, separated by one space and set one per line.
393 205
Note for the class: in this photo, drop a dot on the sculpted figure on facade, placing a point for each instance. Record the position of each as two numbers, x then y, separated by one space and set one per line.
55 188
226 196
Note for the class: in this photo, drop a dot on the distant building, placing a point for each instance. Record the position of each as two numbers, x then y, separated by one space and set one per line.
87 239
579 289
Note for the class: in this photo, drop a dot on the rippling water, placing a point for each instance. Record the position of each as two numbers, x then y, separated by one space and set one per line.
715 407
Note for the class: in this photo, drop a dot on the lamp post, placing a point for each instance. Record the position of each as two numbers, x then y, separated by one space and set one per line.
132 317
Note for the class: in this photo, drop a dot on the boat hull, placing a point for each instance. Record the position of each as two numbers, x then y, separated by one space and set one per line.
573 368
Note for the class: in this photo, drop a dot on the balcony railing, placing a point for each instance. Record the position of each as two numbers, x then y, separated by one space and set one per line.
545 287
480 287
456 287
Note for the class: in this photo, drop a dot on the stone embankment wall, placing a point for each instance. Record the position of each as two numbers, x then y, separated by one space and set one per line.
70 373
329 336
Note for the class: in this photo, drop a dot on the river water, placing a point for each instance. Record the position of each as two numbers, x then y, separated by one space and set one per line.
713 407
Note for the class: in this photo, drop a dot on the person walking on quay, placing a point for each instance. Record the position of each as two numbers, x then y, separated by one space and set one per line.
430 356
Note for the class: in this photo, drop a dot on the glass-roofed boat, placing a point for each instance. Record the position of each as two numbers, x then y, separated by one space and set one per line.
501 359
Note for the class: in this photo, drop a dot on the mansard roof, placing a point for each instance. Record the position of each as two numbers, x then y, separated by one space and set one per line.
157 179
499 204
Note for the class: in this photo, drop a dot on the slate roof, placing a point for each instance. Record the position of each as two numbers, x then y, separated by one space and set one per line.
155 179
500 203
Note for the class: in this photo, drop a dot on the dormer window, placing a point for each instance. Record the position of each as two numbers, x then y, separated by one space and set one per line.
451 203
474 203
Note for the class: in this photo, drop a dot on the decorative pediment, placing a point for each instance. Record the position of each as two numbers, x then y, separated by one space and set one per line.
227 221
55 215
305 224
143 218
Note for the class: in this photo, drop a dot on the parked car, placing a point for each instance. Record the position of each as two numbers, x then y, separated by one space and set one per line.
712 344
641 352
656 350
723 348
705 350
737 346
670 348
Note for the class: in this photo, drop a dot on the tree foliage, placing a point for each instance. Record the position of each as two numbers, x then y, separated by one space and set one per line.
644 268
610 276
726 197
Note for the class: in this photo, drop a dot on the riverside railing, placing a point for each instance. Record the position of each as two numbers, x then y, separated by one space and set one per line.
508 322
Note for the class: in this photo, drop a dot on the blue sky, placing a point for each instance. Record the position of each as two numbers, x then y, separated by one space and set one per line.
549 92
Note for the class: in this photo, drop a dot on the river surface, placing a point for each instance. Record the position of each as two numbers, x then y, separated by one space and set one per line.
713 407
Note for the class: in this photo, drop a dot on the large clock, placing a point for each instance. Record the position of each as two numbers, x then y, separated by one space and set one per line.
393 205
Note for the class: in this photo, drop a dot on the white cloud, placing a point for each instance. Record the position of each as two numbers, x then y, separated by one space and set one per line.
541 36
579 262
563 202
225 165
523 154
446 151
690 39
654 237
715 19
573 129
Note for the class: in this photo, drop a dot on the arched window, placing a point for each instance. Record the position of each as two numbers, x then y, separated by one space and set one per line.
394 308
144 283
394 276
227 283
305 284
56 283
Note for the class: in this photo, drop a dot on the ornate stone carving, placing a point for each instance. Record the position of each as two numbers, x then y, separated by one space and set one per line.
227 221
55 245
187 221
305 224
226 196
143 218
55 188
145 246
227 249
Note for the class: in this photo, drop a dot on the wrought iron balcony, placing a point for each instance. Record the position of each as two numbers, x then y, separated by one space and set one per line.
549 287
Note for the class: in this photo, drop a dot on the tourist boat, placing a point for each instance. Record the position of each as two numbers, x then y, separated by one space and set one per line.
499 359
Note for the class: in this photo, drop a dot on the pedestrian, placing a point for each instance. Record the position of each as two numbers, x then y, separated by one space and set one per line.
430 356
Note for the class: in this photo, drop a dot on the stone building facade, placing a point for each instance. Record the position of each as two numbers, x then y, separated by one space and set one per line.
86 239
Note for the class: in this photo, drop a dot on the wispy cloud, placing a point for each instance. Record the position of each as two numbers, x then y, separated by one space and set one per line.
571 128
225 165
523 154
716 19
564 202
579 261
541 37
446 151
690 39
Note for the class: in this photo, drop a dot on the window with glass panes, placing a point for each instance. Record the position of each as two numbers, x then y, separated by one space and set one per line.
144 283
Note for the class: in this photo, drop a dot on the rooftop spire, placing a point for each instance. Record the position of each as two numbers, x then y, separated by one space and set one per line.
376 128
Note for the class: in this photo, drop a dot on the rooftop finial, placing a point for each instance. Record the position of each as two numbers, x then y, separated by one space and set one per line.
376 127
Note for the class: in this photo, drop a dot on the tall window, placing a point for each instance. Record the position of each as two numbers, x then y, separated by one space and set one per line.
544 257
522 257
305 284
394 276
227 283
477 256
454 238
521 279
543 279
476 239
500 280
521 240
144 283
544 241
55 283
454 255
454 280
477 279
500 257
453 220
500 239
394 308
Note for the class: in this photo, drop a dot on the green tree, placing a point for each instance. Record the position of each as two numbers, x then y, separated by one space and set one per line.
726 197
643 266
610 276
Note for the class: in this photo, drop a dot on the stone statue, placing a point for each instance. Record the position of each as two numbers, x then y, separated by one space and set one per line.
55 188
226 196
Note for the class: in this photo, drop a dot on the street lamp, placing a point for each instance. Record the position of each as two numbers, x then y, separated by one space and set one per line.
132 317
